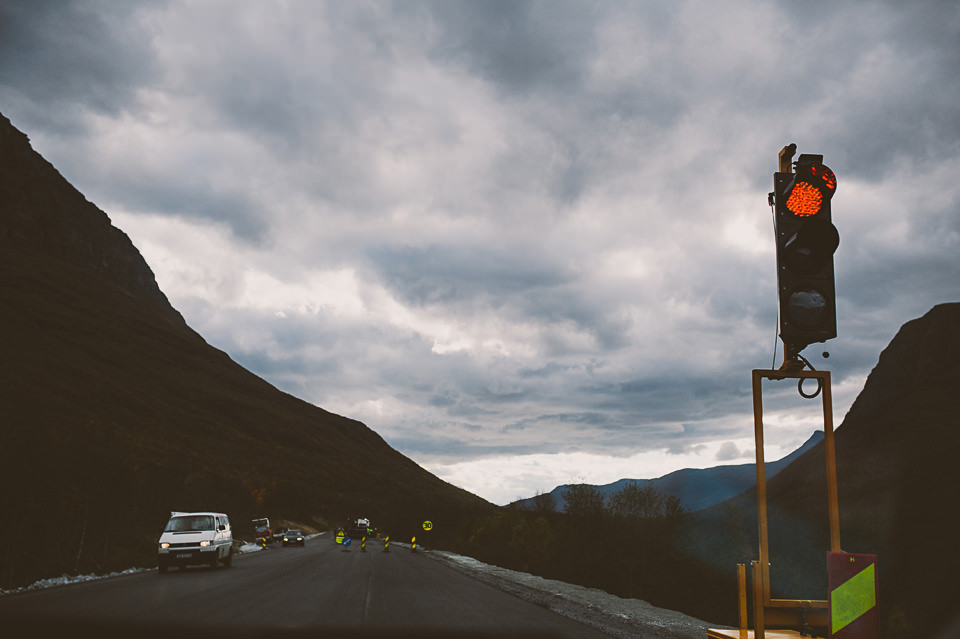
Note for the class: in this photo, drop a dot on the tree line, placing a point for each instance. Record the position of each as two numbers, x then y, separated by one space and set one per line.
633 543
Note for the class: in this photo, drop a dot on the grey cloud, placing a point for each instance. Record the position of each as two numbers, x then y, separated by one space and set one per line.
583 421
459 274
449 448
520 46
728 451
670 398
68 54
461 405
522 287
192 199
886 78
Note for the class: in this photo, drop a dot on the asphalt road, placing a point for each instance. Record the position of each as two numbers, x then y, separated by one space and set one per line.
319 590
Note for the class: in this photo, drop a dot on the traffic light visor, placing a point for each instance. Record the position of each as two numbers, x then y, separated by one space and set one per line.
826 178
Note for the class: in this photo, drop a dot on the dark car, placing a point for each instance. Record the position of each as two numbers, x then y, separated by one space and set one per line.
293 538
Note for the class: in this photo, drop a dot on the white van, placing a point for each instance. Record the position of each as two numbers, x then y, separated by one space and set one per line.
191 539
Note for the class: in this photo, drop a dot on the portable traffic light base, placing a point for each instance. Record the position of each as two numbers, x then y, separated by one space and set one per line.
786 617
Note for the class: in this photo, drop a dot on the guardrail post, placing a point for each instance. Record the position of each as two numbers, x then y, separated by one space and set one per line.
742 596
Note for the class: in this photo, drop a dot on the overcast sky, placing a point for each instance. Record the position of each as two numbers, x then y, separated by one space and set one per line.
528 243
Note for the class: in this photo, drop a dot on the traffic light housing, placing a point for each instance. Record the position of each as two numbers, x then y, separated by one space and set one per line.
806 242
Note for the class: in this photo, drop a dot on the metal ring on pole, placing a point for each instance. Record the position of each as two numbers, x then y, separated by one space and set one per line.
815 393
800 381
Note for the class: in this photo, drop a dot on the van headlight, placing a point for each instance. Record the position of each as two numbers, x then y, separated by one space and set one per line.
204 544
164 545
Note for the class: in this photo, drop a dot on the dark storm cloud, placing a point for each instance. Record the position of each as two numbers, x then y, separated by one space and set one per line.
670 399
444 446
191 198
520 46
885 79
579 421
73 56
456 275
527 287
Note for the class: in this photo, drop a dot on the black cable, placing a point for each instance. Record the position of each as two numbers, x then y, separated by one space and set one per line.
800 381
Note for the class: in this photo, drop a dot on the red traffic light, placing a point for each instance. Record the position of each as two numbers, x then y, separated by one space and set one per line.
813 185
806 243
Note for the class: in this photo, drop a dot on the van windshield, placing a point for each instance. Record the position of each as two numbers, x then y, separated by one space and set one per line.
189 523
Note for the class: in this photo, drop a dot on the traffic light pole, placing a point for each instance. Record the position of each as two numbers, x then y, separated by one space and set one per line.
830 452
790 611
768 611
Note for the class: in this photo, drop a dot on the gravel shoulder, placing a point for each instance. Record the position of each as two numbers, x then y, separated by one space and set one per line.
618 617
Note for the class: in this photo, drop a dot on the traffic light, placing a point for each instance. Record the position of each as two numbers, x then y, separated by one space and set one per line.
806 242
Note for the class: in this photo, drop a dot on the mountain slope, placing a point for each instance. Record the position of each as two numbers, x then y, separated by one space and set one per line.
115 412
696 488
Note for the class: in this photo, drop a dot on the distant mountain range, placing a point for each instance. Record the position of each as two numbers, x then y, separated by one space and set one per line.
696 488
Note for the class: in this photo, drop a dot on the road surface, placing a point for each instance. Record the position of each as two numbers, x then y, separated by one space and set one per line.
319 590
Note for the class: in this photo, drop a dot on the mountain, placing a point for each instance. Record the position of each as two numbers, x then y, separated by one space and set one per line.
115 412
696 488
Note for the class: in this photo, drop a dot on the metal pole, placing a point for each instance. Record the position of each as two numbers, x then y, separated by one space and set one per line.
831 455
761 481
759 623
742 596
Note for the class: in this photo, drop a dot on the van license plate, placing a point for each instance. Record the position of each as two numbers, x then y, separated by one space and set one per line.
184 555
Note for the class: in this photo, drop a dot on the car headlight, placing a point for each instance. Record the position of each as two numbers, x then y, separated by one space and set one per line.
285 539
164 545
299 538
204 544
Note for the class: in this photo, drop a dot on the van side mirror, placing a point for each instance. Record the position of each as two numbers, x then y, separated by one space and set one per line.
222 527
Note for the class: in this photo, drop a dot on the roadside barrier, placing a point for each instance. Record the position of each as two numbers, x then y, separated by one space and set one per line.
386 544
413 545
